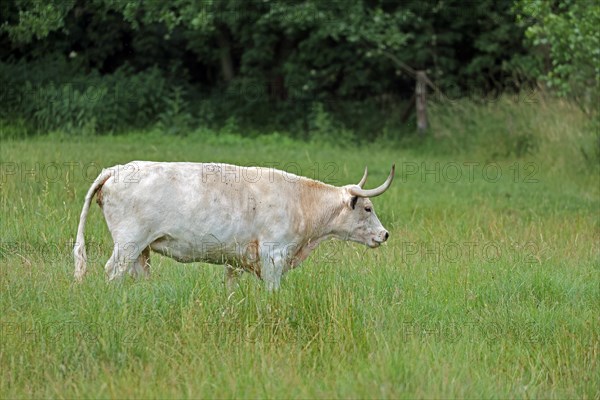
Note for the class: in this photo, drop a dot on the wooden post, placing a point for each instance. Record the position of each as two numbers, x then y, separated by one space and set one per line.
421 102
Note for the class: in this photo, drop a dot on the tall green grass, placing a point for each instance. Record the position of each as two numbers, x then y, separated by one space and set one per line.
488 286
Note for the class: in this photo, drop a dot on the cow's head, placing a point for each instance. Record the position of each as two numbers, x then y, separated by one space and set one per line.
357 221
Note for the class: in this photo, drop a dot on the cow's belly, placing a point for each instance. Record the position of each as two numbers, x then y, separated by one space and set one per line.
211 251
179 250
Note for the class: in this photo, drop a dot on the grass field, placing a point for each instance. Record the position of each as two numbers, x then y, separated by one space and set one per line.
488 287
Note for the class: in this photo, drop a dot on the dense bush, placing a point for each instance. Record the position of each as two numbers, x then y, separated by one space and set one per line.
304 66
52 94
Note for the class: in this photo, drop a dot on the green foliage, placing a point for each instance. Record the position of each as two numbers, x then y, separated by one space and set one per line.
265 63
52 94
324 129
567 32
30 20
175 119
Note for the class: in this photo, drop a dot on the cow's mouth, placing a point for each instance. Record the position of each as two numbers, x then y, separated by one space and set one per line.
374 243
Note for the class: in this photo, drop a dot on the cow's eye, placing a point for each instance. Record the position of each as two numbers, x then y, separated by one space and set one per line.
368 209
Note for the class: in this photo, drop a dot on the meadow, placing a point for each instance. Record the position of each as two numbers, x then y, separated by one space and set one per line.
489 286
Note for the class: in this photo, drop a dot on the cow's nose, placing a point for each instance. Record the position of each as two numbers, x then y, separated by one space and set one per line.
386 236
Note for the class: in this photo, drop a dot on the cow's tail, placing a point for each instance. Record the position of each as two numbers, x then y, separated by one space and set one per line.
79 249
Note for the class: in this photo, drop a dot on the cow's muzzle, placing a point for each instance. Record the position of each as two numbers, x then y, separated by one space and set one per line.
380 238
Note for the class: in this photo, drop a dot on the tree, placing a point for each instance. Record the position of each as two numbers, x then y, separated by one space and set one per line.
267 60
566 32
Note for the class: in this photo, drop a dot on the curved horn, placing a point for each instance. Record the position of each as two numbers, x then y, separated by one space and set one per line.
363 179
377 191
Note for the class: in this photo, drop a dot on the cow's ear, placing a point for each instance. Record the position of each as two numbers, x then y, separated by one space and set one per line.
353 201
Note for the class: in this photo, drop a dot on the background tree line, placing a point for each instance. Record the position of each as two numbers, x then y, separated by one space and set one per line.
299 66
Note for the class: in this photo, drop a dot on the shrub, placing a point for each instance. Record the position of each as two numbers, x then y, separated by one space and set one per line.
49 94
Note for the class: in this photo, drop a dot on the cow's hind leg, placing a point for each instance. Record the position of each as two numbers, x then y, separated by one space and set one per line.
231 277
122 259
141 266
109 267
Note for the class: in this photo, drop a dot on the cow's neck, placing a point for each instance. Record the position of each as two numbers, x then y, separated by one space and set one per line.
319 205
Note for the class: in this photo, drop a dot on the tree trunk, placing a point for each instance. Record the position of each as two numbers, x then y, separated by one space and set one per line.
276 82
408 110
421 102
226 59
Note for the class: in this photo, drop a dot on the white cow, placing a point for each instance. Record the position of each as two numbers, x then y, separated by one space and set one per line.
256 219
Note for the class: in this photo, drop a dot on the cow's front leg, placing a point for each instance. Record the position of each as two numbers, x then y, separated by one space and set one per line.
272 269
141 266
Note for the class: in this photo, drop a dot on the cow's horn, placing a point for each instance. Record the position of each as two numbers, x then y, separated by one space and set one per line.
377 191
363 179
